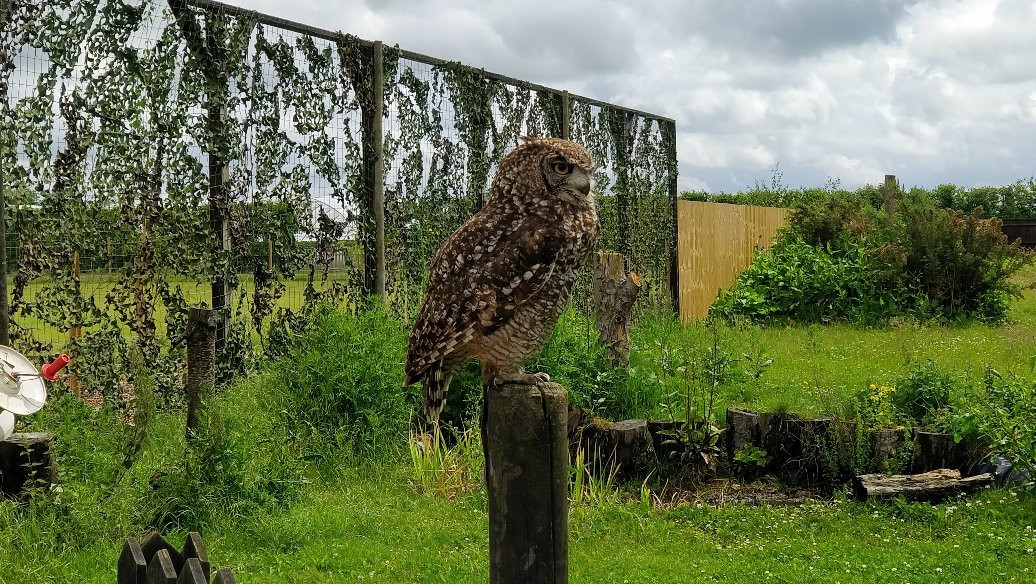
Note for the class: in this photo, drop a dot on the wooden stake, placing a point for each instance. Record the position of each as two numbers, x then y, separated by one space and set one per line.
526 449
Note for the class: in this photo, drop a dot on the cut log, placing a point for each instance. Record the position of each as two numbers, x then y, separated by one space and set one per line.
885 444
27 461
936 450
742 430
933 486
627 444
614 296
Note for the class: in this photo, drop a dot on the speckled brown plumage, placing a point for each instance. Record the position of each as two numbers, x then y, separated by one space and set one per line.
499 283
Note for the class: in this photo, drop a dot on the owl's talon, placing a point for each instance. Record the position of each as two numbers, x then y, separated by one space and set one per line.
543 377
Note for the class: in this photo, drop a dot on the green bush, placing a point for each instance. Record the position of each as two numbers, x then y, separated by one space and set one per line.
575 358
1004 417
841 259
1013 201
797 281
924 393
343 383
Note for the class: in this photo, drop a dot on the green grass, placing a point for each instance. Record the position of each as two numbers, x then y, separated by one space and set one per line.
817 369
288 503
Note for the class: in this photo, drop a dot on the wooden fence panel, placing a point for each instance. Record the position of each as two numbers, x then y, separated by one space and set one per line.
716 242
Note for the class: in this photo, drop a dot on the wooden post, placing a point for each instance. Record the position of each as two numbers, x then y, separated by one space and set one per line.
614 296
526 448
5 316
566 115
378 201
888 192
202 324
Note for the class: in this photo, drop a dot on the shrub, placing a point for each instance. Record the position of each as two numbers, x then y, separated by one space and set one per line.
575 358
797 281
1004 417
343 383
924 393
841 259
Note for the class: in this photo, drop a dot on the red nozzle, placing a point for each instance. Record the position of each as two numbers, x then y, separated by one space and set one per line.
50 370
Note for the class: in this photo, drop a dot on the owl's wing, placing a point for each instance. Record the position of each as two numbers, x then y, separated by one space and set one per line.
446 322
476 285
516 272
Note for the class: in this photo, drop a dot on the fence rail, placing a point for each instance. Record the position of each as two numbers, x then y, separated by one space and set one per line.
161 154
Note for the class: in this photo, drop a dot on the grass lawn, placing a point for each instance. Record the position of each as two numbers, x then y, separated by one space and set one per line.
816 369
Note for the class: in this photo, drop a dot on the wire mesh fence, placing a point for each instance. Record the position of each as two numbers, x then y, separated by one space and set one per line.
158 154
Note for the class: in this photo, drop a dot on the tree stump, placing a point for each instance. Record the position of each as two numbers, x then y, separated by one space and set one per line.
26 461
933 486
936 450
885 443
614 296
526 450
742 430
628 445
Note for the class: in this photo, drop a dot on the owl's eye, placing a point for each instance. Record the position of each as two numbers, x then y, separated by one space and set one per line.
562 168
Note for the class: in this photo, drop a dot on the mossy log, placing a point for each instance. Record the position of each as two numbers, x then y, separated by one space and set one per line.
933 486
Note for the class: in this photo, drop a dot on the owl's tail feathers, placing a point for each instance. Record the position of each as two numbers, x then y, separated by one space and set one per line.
435 386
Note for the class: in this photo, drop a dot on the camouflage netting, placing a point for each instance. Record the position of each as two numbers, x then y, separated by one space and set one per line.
117 115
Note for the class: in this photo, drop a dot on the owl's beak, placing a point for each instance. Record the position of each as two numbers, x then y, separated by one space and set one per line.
581 183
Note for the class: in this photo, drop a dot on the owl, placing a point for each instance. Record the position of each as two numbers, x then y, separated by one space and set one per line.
499 283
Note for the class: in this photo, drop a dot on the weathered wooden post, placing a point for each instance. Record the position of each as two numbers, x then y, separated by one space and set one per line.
566 115
526 448
888 192
614 296
202 324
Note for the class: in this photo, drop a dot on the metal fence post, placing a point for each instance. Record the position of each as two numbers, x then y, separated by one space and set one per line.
378 191
674 196
219 175
5 338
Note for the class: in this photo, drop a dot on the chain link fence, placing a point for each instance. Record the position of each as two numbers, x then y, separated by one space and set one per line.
159 154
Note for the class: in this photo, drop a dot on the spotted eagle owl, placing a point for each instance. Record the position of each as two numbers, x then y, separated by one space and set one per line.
499 283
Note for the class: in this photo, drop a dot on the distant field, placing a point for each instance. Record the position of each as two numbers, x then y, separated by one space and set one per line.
98 286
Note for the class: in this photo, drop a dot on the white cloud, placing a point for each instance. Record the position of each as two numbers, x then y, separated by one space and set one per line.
934 91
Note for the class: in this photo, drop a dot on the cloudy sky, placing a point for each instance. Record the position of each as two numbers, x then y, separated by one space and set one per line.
933 91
